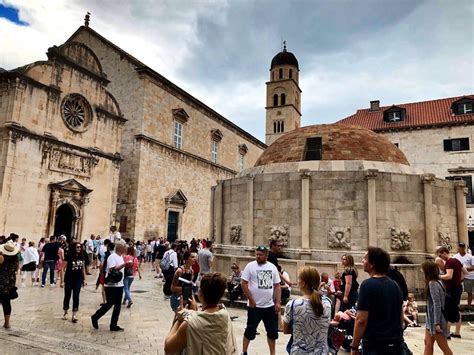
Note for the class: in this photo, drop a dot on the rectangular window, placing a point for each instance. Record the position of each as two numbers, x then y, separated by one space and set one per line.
313 149
178 135
468 180
455 145
394 116
241 162
214 151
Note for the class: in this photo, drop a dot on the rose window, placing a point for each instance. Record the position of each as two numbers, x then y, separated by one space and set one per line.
76 112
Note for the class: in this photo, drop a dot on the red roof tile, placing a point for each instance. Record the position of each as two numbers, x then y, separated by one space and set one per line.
418 114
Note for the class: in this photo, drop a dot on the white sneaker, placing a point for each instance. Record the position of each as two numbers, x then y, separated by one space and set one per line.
52 285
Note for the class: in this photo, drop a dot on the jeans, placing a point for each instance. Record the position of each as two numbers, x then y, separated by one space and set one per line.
48 264
127 282
114 299
74 287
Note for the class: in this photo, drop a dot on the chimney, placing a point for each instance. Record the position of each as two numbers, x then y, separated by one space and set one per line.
375 105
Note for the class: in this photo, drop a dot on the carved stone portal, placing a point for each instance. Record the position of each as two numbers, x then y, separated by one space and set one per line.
280 233
445 240
235 236
339 237
401 239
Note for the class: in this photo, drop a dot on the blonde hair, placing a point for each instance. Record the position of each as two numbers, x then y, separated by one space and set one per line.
349 264
310 276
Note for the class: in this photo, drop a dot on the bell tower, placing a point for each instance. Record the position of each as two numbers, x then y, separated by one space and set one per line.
283 96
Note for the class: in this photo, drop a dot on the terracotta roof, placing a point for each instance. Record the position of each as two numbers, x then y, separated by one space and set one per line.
339 142
418 114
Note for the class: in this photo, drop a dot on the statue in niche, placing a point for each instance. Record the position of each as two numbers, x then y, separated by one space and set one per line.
339 237
235 237
445 240
279 233
401 239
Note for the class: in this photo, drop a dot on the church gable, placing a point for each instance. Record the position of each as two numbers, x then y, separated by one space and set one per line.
83 56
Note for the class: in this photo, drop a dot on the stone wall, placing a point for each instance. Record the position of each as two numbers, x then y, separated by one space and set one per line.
340 216
152 167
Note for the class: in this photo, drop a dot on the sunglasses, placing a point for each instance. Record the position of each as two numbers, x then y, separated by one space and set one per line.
261 248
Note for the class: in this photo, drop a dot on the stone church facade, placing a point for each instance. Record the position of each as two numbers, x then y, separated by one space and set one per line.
60 132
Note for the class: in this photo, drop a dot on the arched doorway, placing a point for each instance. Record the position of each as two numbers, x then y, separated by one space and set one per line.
64 221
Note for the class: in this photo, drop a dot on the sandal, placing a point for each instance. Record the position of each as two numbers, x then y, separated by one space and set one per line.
65 316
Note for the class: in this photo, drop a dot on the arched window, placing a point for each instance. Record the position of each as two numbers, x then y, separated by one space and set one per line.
280 73
275 100
282 128
275 127
283 99
290 73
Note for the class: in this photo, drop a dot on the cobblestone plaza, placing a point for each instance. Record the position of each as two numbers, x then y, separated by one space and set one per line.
38 327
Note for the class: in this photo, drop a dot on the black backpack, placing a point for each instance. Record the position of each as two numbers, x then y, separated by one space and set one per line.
451 311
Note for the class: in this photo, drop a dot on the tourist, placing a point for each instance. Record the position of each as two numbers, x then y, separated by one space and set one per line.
379 309
129 274
326 287
168 265
206 332
467 260
349 284
307 318
233 283
97 243
113 288
109 247
8 266
398 277
74 279
205 258
41 244
181 289
260 283
452 278
436 325
159 251
275 248
89 247
60 262
30 262
50 256
410 311
114 234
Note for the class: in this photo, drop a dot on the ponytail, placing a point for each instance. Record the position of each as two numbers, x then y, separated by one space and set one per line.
316 303
311 278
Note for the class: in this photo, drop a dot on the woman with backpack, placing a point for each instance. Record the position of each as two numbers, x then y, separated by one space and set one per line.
129 274
436 325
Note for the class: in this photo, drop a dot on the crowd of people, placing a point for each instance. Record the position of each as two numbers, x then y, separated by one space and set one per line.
366 317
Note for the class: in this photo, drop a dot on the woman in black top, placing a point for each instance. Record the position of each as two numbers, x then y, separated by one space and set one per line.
74 279
8 268
180 288
349 285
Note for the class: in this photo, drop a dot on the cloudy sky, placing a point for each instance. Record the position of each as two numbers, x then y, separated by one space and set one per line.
350 52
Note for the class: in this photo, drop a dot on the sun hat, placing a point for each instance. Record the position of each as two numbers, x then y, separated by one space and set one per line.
9 248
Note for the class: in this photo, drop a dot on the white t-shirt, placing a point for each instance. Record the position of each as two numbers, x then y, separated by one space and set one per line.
261 279
467 261
115 236
174 258
112 261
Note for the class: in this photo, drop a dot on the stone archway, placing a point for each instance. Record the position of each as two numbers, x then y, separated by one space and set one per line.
64 221
66 213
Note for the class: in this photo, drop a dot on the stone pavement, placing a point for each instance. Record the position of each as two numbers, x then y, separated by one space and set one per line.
38 328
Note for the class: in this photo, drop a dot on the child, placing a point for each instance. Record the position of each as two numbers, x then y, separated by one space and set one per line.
410 311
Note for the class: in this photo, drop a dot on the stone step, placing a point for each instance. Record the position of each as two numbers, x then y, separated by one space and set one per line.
465 316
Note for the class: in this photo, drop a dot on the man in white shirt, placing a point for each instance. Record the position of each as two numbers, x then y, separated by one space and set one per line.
260 283
467 260
169 263
113 291
114 234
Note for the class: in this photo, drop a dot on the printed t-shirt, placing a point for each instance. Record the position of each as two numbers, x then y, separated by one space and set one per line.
261 279
112 261
456 265
73 268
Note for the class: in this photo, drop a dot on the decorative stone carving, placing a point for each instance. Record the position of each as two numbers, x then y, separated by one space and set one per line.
235 236
280 233
339 237
71 162
76 112
401 239
445 240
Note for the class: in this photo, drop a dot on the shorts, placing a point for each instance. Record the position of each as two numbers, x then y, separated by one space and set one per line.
29 267
455 294
468 285
270 320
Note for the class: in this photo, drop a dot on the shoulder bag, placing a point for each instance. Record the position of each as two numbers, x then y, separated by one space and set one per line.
290 342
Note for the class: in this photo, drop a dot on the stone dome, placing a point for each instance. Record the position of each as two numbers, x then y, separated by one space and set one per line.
339 142
284 58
